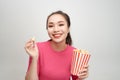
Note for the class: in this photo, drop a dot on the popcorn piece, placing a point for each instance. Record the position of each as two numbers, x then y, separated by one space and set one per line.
33 38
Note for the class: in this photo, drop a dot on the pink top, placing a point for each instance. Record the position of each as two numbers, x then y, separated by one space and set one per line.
54 65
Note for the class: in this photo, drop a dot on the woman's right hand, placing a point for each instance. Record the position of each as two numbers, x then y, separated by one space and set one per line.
31 48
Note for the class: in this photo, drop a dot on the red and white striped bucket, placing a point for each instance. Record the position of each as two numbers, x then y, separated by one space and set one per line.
79 59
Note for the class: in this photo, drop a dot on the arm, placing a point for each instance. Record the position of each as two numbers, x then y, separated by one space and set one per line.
32 72
32 51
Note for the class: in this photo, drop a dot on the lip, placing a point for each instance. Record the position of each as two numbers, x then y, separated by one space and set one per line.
57 35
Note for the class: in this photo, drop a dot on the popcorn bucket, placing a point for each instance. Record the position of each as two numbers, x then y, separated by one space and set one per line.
79 59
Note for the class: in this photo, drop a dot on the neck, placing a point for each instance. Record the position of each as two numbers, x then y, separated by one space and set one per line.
58 46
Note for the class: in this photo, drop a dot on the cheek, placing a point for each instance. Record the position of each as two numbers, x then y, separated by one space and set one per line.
49 32
66 30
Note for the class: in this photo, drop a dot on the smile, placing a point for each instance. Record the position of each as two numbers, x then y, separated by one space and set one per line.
57 35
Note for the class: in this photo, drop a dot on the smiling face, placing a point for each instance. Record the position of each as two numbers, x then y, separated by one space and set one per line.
57 28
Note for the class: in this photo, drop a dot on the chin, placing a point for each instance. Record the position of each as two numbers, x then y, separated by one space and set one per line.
57 40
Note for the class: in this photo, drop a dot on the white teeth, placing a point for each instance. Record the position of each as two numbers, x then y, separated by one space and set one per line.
56 35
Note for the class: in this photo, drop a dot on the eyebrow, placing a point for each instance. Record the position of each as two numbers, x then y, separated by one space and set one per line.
58 22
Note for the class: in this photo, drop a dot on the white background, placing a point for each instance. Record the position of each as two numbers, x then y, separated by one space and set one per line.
95 27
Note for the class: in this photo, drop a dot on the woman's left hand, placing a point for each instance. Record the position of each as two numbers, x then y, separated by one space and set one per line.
83 73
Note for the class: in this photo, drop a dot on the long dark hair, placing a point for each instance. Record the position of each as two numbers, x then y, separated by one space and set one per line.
67 18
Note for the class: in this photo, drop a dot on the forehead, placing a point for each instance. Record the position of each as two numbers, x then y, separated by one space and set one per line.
56 18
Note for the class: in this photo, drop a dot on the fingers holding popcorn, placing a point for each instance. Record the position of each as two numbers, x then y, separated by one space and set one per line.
31 47
83 73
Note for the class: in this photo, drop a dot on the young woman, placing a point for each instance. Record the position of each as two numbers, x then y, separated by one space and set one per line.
51 60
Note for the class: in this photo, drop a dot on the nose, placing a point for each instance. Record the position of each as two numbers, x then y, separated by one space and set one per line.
56 29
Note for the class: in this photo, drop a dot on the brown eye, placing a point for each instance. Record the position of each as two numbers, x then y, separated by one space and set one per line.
50 26
61 24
